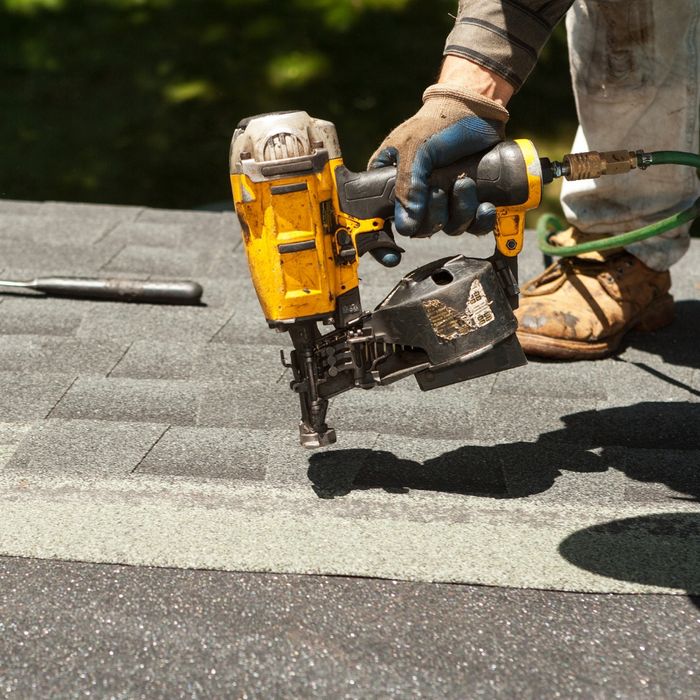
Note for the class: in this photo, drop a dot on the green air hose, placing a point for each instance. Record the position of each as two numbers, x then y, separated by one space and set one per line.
549 224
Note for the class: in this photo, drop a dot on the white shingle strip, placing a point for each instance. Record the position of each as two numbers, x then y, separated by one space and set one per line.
520 544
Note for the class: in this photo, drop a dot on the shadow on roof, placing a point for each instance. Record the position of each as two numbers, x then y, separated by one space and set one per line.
650 442
662 549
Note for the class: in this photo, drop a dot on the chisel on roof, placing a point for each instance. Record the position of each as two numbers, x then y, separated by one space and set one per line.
114 289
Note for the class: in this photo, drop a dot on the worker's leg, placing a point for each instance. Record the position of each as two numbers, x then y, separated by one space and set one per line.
635 68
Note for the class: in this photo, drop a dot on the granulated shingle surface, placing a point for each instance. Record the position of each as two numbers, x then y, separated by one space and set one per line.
140 632
168 435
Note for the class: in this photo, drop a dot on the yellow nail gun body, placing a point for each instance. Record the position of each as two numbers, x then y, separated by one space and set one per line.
306 220
301 246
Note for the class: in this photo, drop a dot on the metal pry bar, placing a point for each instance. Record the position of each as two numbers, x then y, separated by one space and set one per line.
115 289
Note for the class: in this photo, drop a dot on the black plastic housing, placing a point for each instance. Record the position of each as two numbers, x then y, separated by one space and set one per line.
500 175
450 308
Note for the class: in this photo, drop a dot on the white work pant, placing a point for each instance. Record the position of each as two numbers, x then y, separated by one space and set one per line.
635 67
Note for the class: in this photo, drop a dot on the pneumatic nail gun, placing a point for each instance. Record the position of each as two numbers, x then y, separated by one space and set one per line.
306 220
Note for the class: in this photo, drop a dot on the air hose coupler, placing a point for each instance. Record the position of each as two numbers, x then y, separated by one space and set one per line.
592 165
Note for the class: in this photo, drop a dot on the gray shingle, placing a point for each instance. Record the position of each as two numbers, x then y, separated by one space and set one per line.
239 364
247 325
147 234
244 404
45 230
207 453
48 259
15 206
405 410
185 216
160 261
684 280
38 316
514 469
398 464
329 471
657 476
656 425
105 448
219 293
674 345
621 379
243 453
201 230
40 354
91 212
147 401
558 473
11 435
151 359
131 322
437 465
505 419
26 396
649 377
200 361
535 380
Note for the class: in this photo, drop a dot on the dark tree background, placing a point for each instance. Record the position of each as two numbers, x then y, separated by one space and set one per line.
134 101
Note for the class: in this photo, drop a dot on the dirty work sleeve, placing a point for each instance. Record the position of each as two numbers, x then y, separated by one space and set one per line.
505 36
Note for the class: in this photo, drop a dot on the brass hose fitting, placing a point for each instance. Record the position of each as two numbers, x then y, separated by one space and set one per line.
584 166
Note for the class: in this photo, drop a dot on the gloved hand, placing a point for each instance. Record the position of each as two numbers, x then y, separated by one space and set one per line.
452 124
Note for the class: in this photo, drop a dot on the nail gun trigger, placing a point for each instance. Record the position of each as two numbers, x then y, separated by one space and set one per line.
382 238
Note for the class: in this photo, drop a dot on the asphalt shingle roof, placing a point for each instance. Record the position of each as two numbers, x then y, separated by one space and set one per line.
167 435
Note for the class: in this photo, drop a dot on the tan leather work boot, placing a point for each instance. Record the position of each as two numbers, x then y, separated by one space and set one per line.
581 308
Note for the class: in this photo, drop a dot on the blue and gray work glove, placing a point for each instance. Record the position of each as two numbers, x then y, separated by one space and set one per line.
452 124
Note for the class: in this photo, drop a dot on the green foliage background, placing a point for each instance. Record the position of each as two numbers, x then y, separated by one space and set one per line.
135 101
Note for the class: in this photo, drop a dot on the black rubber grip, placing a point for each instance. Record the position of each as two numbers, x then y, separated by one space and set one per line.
500 175
147 292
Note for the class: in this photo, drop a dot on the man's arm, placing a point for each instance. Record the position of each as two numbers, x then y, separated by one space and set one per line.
488 55
463 73
504 36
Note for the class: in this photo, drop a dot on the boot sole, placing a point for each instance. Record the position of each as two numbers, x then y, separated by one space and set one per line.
657 315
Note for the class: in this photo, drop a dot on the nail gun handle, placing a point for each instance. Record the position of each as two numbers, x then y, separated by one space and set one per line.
501 176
